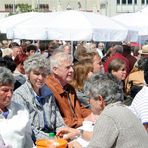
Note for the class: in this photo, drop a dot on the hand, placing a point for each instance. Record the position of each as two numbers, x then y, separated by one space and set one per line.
74 144
68 133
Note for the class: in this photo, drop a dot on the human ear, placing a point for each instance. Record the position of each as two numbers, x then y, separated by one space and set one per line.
101 102
55 70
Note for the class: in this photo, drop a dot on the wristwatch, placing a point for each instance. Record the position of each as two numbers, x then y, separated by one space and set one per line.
81 132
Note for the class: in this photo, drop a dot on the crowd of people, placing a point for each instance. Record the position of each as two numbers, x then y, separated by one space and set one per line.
49 86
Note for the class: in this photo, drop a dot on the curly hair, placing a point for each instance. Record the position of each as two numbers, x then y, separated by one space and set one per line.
37 61
6 77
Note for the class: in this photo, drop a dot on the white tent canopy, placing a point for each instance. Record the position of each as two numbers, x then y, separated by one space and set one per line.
76 25
70 25
144 10
11 21
137 21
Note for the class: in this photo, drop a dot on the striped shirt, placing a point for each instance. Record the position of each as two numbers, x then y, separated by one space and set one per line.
118 127
139 105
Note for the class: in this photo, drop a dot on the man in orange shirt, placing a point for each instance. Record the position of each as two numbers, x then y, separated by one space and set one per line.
61 66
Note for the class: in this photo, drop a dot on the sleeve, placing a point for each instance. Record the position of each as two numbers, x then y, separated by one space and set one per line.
76 117
36 134
127 84
18 98
3 144
83 98
75 121
59 119
106 65
84 111
29 140
105 134
143 111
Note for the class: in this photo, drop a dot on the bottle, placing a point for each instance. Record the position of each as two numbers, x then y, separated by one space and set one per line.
52 140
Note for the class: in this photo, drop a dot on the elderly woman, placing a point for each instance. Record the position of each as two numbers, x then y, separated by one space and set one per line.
14 119
36 97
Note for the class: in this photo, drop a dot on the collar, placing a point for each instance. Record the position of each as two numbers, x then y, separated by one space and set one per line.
55 84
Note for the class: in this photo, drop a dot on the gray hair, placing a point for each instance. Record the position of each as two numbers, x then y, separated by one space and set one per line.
59 49
58 58
103 85
90 47
118 48
6 77
37 61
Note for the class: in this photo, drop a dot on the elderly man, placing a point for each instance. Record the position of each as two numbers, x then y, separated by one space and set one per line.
61 68
36 97
100 49
16 49
116 126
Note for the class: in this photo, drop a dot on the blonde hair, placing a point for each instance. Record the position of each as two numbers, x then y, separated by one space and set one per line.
81 70
7 51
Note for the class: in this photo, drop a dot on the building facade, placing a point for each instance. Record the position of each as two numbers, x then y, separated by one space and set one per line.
105 7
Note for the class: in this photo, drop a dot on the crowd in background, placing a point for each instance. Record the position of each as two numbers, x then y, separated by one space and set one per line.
56 86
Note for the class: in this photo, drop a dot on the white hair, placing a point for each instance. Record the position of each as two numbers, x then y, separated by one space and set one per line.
58 58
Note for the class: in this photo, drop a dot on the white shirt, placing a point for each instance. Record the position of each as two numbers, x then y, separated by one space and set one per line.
139 105
100 53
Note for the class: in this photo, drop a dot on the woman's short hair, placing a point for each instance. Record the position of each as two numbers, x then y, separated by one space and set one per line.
31 47
103 85
20 58
35 62
6 77
115 65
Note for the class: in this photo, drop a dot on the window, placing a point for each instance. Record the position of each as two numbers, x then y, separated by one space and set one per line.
44 7
9 7
123 1
143 1
129 1
118 2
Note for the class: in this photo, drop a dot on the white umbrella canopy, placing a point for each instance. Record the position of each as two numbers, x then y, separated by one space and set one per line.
144 10
11 21
73 26
137 21
78 25
33 29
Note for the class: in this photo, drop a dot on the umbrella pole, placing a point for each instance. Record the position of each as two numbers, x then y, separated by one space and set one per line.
72 49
